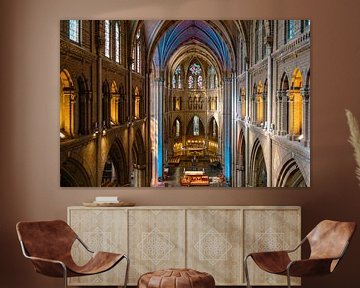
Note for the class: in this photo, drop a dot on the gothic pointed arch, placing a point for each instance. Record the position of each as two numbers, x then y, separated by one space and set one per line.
258 166
114 104
106 104
213 129
296 105
195 127
177 127
290 175
138 149
115 169
73 174
83 107
67 104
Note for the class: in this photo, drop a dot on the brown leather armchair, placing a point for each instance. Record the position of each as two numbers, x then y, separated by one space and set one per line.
328 242
48 245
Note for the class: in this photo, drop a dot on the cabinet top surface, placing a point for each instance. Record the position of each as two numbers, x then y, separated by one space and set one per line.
192 207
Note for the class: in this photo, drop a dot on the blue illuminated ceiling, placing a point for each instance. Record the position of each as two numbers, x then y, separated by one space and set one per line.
193 32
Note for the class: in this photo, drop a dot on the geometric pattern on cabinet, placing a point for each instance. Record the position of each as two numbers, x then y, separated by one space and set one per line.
271 230
210 239
156 240
214 241
101 230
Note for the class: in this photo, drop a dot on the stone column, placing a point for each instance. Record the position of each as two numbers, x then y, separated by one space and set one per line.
269 87
227 126
284 113
159 87
290 116
234 134
278 112
306 116
246 132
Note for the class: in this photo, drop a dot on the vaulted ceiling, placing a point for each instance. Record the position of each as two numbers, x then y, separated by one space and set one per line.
164 38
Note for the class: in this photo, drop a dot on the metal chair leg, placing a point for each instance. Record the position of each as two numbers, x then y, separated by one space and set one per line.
65 275
246 272
288 278
127 270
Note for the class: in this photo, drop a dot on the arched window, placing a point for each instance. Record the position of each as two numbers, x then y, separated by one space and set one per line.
191 82
289 30
107 38
199 81
243 103
196 126
137 103
195 70
117 42
137 53
305 24
67 105
177 132
211 77
174 81
295 105
114 105
74 30
177 78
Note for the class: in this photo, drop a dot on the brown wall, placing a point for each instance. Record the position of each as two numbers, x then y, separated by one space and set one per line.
29 116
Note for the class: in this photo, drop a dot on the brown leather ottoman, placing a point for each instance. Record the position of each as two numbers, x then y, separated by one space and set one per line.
176 278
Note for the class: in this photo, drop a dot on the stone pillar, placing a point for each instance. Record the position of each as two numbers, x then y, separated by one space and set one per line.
290 115
284 112
246 132
234 134
306 116
159 87
227 126
269 117
278 112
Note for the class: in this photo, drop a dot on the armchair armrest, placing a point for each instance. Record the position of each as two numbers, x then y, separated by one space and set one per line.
49 267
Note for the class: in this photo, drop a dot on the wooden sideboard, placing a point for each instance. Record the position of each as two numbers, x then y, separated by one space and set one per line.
211 239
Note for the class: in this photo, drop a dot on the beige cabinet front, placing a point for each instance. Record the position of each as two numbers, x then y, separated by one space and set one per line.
208 239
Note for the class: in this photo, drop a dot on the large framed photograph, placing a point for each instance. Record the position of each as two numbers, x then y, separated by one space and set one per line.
185 103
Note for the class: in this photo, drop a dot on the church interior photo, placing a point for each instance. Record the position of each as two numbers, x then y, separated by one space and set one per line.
223 103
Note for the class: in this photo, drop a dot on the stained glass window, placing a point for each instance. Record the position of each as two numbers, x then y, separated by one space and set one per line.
178 77
290 33
74 30
133 59
196 125
174 81
117 43
191 82
177 128
138 57
304 25
107 38
199 81
195 69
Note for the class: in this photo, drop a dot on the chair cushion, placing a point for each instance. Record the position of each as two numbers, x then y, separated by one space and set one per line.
176 278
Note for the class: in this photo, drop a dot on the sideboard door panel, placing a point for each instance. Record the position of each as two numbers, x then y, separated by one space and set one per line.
269 230
101 230
214 244
156 240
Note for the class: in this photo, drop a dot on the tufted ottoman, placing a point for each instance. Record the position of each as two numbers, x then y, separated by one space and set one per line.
176 278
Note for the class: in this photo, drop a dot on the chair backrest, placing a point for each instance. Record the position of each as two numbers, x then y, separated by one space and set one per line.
329 239
46 239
